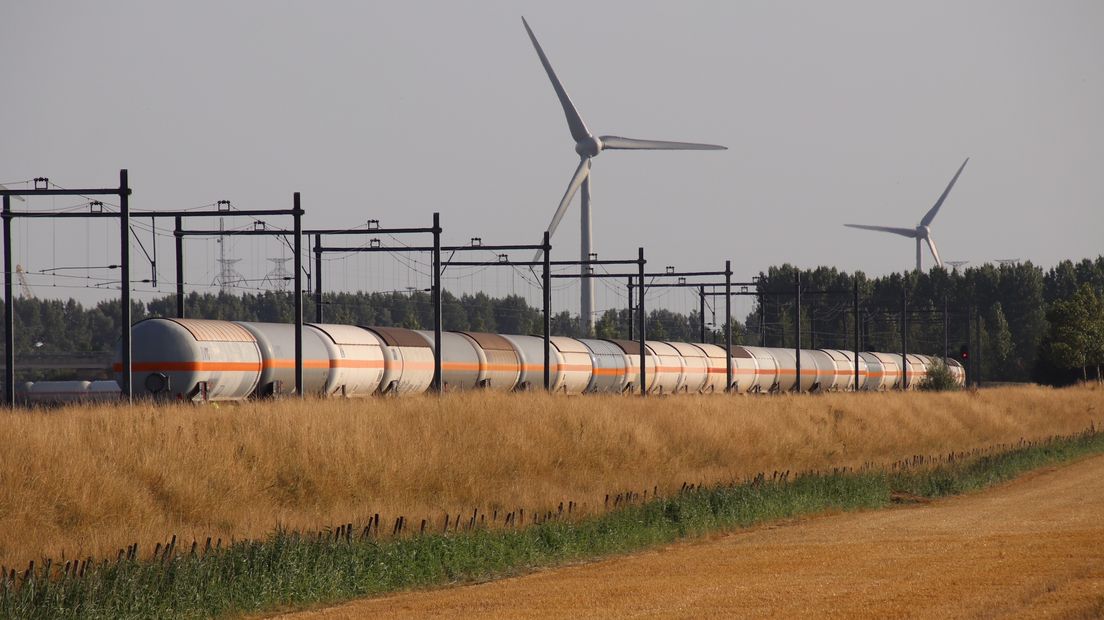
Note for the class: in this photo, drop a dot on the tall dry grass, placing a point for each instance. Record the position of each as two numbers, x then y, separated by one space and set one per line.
86 481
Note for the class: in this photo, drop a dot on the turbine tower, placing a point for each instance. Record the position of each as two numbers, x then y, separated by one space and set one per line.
923 231
588 146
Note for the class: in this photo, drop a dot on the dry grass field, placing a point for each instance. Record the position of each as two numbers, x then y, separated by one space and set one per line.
86 481
1032 548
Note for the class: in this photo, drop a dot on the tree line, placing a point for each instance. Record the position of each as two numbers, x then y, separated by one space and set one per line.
1030 324
1022 322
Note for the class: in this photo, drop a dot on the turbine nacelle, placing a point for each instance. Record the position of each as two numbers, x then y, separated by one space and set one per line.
588 147
923 232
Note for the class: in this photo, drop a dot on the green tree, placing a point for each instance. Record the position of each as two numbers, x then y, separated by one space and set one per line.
1076 336
998 342
608 326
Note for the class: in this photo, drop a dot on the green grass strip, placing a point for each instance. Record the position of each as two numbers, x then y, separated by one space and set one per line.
285 570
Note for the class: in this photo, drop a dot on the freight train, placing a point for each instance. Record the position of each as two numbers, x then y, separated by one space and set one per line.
212 360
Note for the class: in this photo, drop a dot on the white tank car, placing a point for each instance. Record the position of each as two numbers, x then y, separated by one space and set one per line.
918 369
530 352
630 351
500 364
768 373
461 368
408 361
716 368
104 391
57 392
576 365
825 367
670 367
193 359
663 365
844 376
569 368
890 365
875 373
695 367
753 370
356 360
611 370
276 342
816 368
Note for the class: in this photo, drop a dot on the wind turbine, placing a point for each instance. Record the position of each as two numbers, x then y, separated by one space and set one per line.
923 231
588 146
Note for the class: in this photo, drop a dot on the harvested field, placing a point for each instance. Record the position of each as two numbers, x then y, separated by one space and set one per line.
1030 548
77 482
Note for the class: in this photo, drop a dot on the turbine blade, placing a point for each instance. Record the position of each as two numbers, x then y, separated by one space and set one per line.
939 203
581 173
935 252
904 232
632 144
575 122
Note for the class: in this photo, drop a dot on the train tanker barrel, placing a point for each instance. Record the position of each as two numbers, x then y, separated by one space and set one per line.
670 369
917 370
716 368
755 369
883 370
611 374
355 360
194 360
570 363
611 370
695 367
463 364
500 363
663 364
276 342
843 378
407 361
839 371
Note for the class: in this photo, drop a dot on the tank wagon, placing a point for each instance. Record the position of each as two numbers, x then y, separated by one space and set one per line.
209 360
66 392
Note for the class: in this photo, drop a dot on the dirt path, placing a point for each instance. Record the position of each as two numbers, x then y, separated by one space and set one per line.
1032 548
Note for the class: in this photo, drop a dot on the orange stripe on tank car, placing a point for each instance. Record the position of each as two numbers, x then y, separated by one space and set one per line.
459 366
463 366
610 372
356 363
315 364
557 367
192 366
736 371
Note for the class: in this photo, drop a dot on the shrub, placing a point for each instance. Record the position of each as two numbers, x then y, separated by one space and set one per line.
939 378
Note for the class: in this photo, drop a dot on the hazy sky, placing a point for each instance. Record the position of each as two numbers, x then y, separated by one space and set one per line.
833 112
